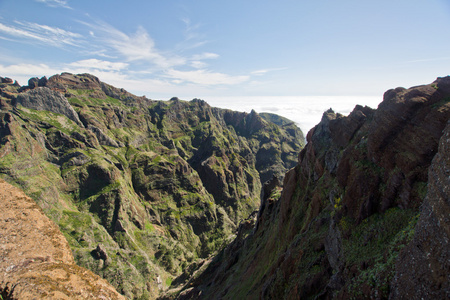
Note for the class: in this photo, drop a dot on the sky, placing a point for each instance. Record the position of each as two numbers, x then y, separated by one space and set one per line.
292 57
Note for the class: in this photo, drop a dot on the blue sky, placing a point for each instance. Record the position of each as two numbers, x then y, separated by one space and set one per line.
207 48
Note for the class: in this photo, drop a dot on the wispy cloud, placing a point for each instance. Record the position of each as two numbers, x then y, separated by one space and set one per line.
192 37
134 47
265 71
96 64
205 77
23 72
55 3
122 58
196 61
108 71
41 33
198 64
205 55
191 30
27 69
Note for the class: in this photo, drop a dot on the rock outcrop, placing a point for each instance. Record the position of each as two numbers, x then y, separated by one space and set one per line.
36 261
45 99
344 226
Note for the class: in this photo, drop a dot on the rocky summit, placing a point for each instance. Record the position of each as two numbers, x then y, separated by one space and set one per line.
144 191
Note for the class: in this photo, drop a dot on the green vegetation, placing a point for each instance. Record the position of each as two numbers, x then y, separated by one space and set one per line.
376 244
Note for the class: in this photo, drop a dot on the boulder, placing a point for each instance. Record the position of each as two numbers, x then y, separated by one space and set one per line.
6 80
43 81
33 82
101 252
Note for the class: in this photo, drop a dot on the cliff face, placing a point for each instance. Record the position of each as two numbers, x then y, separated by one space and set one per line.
423 267
343 225
143 190
36 260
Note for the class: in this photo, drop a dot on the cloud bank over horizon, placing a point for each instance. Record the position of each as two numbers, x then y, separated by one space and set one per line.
305 111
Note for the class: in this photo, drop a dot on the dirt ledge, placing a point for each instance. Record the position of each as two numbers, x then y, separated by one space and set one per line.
35 259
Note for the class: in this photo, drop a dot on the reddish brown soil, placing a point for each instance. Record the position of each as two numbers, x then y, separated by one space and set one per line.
35 259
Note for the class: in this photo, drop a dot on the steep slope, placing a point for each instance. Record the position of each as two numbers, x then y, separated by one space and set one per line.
344 223
423 267
143 190
36 260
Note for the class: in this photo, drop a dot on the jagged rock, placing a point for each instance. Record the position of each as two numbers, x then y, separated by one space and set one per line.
75 159
101 252
45 99
102 138
119 226
343 129
33 82
6 80
42 81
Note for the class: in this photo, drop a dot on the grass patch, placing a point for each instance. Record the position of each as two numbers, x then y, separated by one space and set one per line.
377 242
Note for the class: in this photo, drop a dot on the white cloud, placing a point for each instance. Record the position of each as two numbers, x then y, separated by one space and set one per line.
23 72
198 64
129 60
205 55
98 64
42 33
135 47
191 30
205 77
265 71
197 59
192 37
55 3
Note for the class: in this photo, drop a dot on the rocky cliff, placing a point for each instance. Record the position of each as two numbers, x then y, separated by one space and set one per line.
423 267
142 190
345 225
36 260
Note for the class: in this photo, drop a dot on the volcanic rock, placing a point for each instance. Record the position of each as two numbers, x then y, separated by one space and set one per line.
43 98
423 268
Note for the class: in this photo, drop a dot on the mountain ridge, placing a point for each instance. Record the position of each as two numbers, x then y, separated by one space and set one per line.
180 200
143 190
344 225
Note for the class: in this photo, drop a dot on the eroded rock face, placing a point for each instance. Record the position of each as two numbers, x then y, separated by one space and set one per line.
46 99
423 268
36 260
